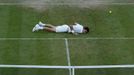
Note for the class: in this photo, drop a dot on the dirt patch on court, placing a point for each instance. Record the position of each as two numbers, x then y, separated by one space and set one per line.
41 5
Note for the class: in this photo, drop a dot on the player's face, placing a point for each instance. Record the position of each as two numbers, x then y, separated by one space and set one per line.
84 31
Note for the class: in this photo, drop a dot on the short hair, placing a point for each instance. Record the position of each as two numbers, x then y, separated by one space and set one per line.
87 29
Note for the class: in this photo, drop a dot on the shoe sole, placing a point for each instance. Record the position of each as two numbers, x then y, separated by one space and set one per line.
35 28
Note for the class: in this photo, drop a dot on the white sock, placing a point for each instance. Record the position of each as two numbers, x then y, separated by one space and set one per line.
40 23
41 27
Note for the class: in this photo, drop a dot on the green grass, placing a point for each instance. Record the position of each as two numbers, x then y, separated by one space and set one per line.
128 71
17 22
14 71
100 52
33 52
46 52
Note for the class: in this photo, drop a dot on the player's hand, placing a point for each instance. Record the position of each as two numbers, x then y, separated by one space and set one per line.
76 23
74 32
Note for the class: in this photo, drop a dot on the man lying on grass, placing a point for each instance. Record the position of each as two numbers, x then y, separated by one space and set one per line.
74 29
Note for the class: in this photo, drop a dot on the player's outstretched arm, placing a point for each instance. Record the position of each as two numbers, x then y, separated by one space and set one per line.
75 33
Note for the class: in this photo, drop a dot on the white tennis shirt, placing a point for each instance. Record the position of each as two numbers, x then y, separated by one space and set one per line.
78 28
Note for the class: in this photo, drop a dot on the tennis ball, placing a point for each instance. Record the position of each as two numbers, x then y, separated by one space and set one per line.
110 11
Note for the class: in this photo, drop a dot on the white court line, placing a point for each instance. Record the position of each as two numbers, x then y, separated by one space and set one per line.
68 52
68 55
34 66
104 3
73 71
67 67
92 38
103 66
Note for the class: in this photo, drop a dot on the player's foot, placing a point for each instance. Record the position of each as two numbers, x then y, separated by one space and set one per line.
33 30
41 24
37 27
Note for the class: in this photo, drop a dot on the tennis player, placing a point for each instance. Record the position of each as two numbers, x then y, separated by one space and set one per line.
74 29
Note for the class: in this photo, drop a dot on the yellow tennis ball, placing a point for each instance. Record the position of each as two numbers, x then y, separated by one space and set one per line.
110 11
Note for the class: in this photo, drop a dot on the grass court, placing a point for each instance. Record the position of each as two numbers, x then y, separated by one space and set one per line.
44 48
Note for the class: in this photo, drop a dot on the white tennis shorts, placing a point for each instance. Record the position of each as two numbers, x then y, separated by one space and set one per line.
62 28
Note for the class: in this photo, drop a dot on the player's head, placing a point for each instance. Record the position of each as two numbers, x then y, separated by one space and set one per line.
85 29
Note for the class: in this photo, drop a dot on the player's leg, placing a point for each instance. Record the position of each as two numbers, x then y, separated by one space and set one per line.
50 25
53 29
46 25
39 27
